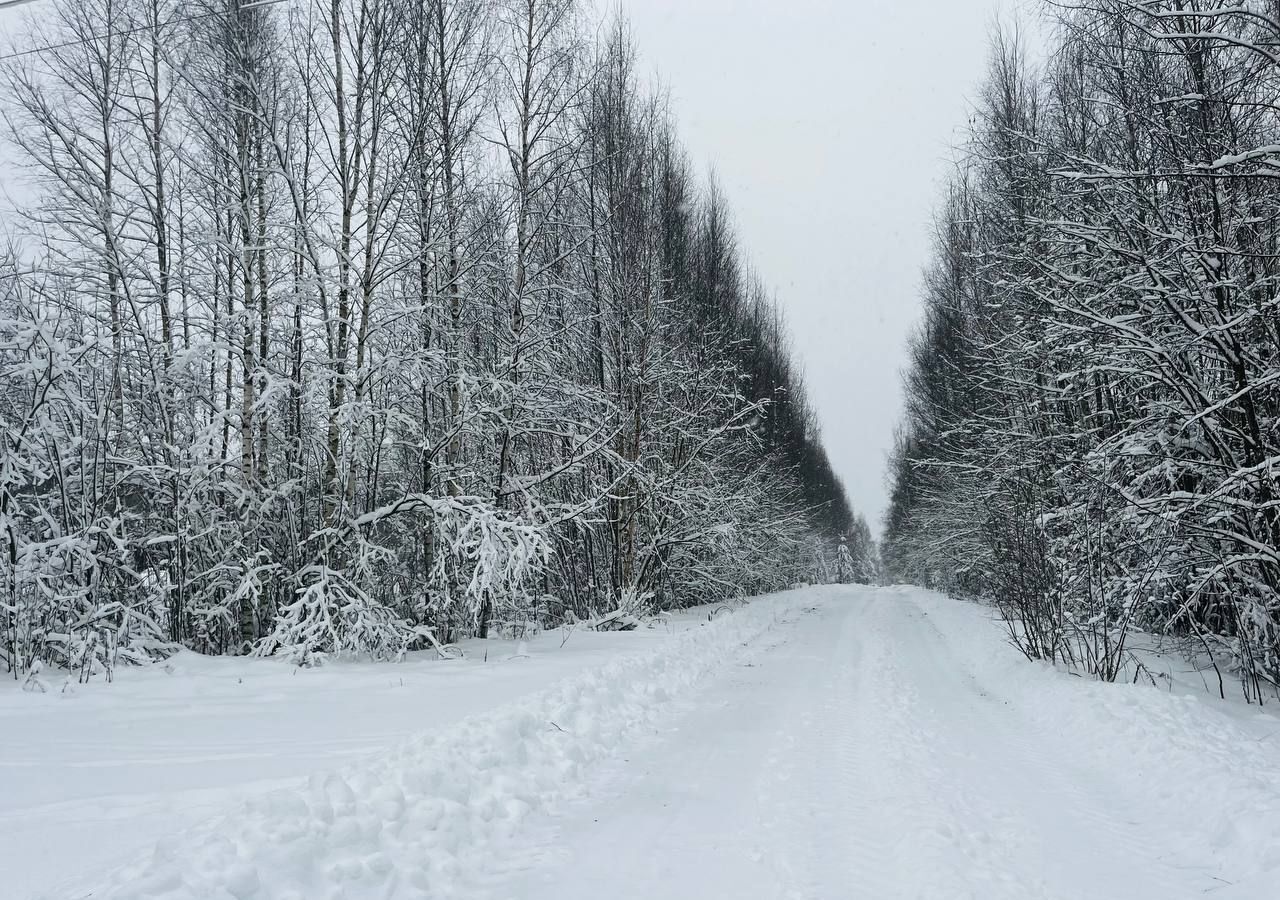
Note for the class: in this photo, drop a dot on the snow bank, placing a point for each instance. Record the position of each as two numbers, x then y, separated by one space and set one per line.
110 769
408 823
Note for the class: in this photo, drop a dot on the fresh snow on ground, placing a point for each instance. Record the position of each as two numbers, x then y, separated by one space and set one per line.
824 743
93 773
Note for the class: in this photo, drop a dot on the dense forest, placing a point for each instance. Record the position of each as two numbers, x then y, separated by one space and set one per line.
353 327
1093 418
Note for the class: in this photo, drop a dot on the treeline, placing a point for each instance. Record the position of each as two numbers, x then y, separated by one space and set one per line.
1093 418
357 326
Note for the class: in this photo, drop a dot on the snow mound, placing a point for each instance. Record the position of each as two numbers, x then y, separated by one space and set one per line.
408 824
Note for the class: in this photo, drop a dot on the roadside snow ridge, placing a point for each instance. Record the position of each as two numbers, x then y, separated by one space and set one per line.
408 824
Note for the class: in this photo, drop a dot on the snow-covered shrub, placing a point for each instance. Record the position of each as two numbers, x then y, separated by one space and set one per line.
482 560
330 615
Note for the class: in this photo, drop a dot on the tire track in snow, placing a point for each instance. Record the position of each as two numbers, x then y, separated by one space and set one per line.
1024 775
827 752
862 804
953 843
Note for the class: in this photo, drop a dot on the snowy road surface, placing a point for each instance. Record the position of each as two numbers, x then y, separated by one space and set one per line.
891 748
828 743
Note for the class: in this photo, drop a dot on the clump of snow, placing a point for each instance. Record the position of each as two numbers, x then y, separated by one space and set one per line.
408 823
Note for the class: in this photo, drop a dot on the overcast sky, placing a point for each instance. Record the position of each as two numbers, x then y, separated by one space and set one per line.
830 124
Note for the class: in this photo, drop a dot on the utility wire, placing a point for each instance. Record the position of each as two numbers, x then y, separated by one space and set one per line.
127 31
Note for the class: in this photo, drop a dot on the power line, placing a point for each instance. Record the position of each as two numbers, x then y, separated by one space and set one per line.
126 31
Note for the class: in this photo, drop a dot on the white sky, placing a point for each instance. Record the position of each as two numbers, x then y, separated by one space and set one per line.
830 124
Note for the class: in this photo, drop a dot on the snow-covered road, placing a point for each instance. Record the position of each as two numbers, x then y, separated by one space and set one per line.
822 744
890 747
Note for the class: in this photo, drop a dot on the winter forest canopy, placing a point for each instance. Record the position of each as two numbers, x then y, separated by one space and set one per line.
1093 421
355 327
352 328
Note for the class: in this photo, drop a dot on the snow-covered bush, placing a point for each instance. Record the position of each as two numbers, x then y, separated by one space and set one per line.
332 616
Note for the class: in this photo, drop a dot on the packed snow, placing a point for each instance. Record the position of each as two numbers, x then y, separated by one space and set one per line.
819 743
